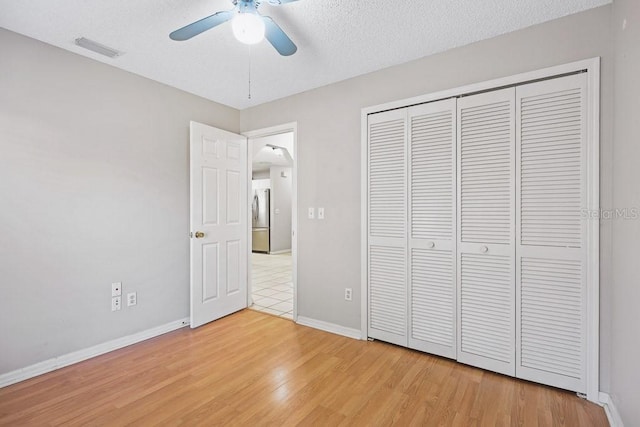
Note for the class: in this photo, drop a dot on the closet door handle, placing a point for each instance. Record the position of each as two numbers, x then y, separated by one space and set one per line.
431 245
484 249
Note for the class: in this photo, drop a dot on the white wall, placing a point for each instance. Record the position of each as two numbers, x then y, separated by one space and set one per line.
328 156
281 209
625 341
94 188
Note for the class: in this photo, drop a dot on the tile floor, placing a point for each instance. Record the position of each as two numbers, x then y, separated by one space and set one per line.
271 284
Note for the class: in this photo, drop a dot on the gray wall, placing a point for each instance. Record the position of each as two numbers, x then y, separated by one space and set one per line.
329 148
94 188
625 342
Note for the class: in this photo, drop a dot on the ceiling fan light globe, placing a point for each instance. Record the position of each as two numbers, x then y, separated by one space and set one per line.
248 28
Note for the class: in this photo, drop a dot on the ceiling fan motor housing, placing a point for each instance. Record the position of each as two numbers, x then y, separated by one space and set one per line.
247 6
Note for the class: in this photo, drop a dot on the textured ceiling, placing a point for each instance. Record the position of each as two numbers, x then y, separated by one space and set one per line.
337 39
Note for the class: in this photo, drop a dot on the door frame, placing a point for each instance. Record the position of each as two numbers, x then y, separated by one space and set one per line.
592 67
291 127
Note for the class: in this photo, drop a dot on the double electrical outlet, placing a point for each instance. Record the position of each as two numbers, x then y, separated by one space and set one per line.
116 297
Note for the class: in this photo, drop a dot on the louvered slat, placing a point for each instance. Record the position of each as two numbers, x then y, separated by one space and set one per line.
432 175
485 173
485 300
432 297
551 320
387 290
551 175
387 207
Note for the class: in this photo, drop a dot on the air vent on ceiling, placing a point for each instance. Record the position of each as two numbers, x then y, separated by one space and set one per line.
97 47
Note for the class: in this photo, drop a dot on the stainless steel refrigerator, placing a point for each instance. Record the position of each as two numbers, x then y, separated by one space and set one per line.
260 217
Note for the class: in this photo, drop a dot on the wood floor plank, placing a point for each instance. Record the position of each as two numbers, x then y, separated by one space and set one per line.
254 369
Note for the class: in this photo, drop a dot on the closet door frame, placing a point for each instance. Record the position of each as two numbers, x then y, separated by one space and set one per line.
591 208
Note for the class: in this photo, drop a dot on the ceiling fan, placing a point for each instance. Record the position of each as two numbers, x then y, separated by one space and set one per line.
248 26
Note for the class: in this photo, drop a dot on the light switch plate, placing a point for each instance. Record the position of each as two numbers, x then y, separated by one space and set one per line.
312 213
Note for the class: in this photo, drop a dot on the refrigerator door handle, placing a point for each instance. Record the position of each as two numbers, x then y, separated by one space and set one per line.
256 207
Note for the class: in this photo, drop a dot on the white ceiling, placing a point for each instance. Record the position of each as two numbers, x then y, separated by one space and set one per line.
336 39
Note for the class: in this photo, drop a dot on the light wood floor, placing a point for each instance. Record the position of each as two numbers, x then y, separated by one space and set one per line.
255 369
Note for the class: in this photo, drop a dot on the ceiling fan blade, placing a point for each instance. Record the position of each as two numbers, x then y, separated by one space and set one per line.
191 30
278 38
279 2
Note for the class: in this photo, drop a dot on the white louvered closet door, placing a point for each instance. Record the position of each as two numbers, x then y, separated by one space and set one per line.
432 195
486 228
551 251
387 238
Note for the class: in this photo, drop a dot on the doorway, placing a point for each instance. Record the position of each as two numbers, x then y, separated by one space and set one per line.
272 210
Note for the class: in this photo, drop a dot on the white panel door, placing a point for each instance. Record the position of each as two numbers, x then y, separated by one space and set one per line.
219 227
551 251
432 196
486 228
387 232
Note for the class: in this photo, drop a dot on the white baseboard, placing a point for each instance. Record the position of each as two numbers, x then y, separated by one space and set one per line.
329 327
87 353
610 409
285 251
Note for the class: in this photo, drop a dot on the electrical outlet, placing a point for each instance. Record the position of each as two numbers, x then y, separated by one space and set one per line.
320 213
116 289
312 213
132 299
347 294
116 303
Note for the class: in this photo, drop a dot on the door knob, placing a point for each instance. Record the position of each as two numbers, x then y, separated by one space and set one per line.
432 245
484 249
199 234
